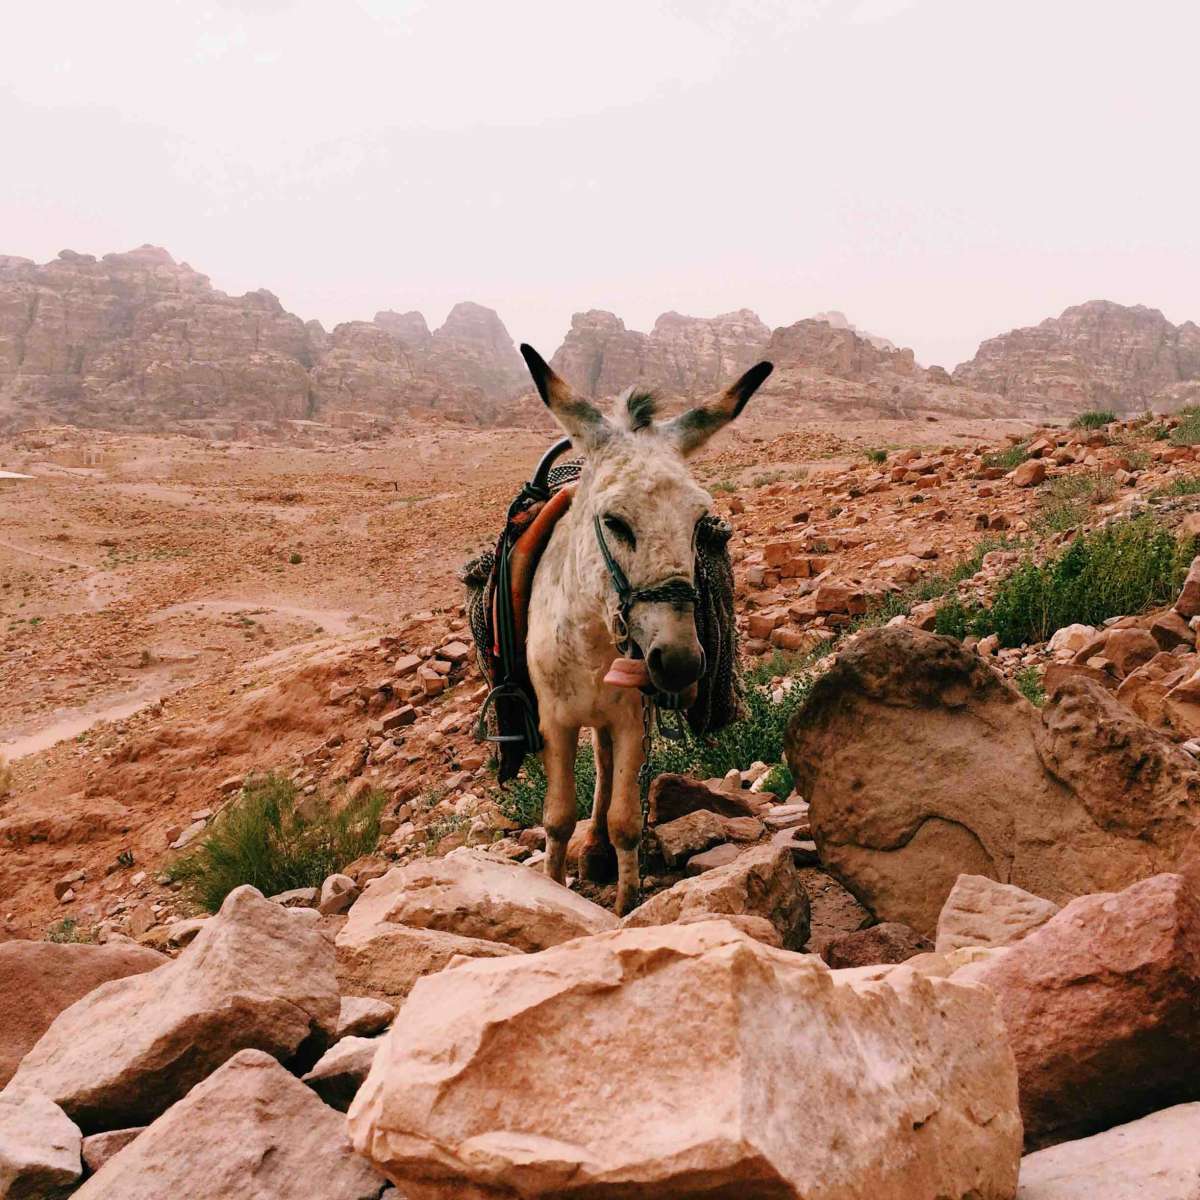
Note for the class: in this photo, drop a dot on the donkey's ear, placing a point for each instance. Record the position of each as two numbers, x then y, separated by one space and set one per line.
693 428
584 423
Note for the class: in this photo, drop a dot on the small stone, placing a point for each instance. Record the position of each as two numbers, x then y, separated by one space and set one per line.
98 1148
338 893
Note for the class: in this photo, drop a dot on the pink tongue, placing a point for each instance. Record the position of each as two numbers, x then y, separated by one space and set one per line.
628 672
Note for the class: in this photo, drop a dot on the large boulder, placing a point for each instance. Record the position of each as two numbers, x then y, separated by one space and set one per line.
1102 1008
249 1130
380 959
981 912
39 979
673 1062
762 882
476 896
341 1070
922 764
39 1146
257 975
889 942
1154 1158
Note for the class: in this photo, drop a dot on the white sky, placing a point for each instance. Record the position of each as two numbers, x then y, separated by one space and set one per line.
941 170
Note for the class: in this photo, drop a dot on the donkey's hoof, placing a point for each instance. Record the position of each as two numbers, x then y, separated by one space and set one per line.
598 862
627 900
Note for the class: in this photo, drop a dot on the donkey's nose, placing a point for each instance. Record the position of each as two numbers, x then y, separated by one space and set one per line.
674 667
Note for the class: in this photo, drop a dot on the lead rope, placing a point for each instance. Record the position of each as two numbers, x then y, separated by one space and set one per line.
644 783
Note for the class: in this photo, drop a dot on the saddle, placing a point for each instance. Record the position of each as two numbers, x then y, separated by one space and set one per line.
499 584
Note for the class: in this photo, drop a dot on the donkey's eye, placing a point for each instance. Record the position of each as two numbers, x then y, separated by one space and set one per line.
621 530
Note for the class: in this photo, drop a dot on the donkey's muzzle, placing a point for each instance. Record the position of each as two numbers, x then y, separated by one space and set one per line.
674 667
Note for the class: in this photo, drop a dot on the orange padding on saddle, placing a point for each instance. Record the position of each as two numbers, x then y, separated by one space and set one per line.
525 555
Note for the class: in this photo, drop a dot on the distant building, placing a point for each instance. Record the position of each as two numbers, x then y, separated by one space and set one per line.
11 479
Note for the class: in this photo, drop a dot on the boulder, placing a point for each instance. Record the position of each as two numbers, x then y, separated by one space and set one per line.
338 893
98 1148
981 912
679 839
39 1145
889 942
249 1130
718 856
674 796
257 975
762 882
1155 1158
39 979
1030 473
340 1071
1188 604
382 960
922 764
1128 649
472 895
672 1061
362 1016
1102 1007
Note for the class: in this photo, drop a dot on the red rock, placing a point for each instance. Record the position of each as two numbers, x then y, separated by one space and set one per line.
1030 473
889 942
1188 604
1102 1007
1128 649
673 796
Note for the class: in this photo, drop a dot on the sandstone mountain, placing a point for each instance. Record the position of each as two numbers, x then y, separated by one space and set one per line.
1096 355
136 340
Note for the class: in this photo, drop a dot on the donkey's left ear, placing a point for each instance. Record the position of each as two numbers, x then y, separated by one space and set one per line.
583 422
693 428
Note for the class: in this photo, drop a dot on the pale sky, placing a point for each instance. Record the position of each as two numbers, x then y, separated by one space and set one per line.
940 170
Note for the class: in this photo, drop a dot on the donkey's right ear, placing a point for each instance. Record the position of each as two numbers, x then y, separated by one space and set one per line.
583 422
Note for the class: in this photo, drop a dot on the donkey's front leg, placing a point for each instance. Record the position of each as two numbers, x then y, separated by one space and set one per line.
559 811
625 814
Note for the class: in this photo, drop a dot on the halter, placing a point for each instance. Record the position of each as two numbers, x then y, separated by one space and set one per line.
671 591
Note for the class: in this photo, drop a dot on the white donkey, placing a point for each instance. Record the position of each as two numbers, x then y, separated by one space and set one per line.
635 502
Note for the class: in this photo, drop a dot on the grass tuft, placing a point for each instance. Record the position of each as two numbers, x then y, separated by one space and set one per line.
1065 502
1094 418
68 930
1186 485
1006 460
1029 683
876 455
267 838
1187 432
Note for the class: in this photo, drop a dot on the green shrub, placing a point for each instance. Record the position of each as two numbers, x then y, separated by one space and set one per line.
1186 485
1187 432
1064 503
1014 456
876 455
1095 418
758 737
779 782
267 838
784 663
722 485
1029 684
294 558
1121 569
955 618
67 930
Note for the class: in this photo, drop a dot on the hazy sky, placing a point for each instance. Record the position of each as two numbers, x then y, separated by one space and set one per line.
941 170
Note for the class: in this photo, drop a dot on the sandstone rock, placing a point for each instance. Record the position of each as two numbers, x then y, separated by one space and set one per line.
1188 604
378 958
1102 1008
362 1016
1128 649
674 796
472 895
1155 1158
1071 637
341 1070
759 928
889 942
762 882
249 1130
338 892
100 1147
981 912
39 1145
709 860
679 839
257 975
1169 630
1030 473
921 764
486 1085
39 979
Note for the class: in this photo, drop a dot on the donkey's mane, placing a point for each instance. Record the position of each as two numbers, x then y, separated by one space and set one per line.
641 407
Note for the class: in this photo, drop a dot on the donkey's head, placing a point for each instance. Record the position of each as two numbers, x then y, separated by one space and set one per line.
637 502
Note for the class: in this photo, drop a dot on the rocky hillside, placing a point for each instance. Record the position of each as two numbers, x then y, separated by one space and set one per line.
137 340
1096 355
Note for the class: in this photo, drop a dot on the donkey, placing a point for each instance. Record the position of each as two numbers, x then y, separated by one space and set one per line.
636 505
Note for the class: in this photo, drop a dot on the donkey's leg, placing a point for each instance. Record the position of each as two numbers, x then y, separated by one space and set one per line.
625 816
597 861
559 813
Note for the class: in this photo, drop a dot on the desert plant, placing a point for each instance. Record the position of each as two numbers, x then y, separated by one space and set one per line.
1064 503
269 839
1185 485
1187 432
294 558
779 782
68 930
1094 418
876 455
1012 456
1123 568
1029 683
722 485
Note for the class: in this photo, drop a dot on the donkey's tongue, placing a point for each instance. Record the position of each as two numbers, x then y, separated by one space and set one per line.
628 672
